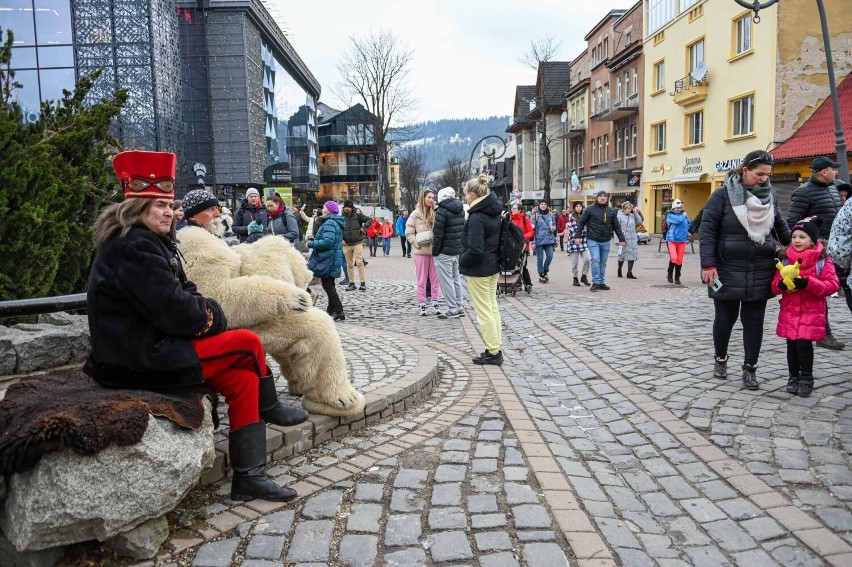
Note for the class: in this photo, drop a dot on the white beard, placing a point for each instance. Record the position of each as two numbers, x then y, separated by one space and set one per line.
215 227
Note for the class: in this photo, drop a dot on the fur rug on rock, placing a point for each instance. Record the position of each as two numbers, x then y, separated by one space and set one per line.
261 287
65 409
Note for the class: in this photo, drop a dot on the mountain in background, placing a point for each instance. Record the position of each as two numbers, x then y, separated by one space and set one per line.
442 139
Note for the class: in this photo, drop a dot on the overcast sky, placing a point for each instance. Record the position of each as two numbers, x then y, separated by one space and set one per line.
465 51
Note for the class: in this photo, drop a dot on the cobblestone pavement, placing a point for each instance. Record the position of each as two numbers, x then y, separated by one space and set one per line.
603 440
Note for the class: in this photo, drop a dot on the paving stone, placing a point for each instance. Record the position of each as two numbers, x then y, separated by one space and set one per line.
754 558
492 541
616 534
763 529
513 457
448 494
739 508
450 473
265 547
485 521
369 492
624 498
729 535
403 530
684 532
587 489
364 518
659 546
493 425
487 451
677 487
216 553
490 436
311 541
837 519
406 501
278 523
411 557
504 559
323 505
531 516
457 445
706 557
450 546
660 505
536 535
544 555
515 473
519 494
454 457
358 550
716 490
447 519
483 466
409 478
634 557
480 503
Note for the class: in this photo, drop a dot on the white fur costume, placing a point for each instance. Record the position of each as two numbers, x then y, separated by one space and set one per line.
266 294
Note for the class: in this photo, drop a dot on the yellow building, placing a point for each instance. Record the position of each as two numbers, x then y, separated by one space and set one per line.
718 85
393 179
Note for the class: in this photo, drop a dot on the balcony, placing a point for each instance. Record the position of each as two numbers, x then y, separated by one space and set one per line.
342 142
690 90
616 109
333 173
574 129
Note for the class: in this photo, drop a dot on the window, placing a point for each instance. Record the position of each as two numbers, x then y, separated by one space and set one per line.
626 81
696 55
684 4
628 37
605 156
606 47
635 80
633 149
594 152
658 135
618 144
600 150
660 12
660 75
618 88
742 116
742 34
695 128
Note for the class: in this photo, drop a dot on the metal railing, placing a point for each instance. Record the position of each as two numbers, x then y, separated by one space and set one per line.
688 83
348 169
38 306
344 140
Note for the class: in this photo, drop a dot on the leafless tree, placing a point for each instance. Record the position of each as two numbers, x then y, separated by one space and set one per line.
542 52
374 70
455 174
412 174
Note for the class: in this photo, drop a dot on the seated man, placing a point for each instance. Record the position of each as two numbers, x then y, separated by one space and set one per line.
152 329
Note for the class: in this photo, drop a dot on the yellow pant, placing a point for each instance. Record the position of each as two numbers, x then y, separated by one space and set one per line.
355 257
483 295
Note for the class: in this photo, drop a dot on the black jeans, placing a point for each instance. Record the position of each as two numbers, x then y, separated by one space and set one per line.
751 314
373 243
404 242
800 357
334 304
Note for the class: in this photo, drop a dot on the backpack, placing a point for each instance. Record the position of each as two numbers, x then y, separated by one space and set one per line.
511 246
819 265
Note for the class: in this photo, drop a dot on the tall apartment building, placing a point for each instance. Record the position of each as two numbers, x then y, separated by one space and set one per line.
348 156
720 85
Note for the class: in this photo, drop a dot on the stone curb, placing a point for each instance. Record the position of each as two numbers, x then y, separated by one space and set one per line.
394 398
813 533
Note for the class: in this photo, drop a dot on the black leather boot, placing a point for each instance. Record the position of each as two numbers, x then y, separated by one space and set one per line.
273 411
247 454
585 281
620 265
749 378
793 384
720 368
630 275
806 385
669 274
677 274
576 282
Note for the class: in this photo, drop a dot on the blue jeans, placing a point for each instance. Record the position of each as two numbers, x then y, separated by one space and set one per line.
599 252
543 256
386 246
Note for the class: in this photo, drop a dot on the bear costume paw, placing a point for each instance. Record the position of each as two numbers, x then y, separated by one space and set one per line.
341 400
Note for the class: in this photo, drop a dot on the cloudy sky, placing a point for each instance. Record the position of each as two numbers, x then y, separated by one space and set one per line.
465 52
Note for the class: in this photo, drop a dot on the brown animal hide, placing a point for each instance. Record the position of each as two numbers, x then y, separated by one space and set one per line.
65 409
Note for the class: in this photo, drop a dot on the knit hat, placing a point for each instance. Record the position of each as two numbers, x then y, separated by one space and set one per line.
198 200
349 204
678 204
332 207
601 192
810 226
146 175
252 191
446 193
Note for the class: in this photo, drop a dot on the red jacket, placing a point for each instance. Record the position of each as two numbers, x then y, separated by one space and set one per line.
802 313
561 223
387 230
374 229
523 221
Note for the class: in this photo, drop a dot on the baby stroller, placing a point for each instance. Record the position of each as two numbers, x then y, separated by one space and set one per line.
515 280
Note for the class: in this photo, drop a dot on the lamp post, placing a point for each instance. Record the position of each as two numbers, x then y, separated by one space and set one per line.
839 138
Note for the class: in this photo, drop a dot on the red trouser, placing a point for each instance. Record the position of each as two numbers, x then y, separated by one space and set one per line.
676 250
232 363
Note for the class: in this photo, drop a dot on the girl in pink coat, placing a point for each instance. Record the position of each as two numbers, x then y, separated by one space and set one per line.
801 319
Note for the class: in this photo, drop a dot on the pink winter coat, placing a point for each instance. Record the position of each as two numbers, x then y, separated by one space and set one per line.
802 313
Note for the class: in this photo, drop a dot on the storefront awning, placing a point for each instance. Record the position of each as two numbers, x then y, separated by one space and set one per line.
687 177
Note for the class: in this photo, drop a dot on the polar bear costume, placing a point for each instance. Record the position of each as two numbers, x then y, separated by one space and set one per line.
265 292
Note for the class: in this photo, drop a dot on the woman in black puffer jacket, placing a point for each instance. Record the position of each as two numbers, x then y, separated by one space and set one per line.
739 226
480 264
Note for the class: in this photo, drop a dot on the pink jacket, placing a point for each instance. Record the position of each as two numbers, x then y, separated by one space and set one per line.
802 313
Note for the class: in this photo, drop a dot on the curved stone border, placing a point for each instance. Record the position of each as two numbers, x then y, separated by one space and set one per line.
390 399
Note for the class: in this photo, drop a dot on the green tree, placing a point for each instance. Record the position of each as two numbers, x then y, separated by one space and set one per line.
55 177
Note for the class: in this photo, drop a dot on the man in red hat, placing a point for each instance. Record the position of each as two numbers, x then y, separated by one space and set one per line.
151 328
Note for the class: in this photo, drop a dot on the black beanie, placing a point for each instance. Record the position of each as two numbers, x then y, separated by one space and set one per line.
198 200
810 226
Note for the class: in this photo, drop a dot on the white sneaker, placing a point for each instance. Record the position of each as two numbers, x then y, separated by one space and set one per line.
835 295
435 310
422 309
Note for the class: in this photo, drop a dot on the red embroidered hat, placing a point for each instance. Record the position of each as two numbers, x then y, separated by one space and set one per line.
146 175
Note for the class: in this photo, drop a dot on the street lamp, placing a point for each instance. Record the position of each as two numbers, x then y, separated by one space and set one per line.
839 139
491 156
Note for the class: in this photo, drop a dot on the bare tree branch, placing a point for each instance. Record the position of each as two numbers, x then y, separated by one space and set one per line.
412 173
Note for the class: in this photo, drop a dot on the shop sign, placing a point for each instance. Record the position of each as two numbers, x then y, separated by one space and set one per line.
587 185
692 165
662 168
728 164
286 194
278 172
634 181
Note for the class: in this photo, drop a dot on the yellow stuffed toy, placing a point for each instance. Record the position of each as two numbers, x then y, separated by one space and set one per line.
788 273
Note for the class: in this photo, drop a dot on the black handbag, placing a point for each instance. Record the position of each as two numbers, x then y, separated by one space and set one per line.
321 267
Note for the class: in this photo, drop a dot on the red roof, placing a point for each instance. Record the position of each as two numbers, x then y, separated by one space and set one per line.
816 136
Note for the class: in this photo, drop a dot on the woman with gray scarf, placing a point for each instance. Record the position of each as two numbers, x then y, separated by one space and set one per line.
739 228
